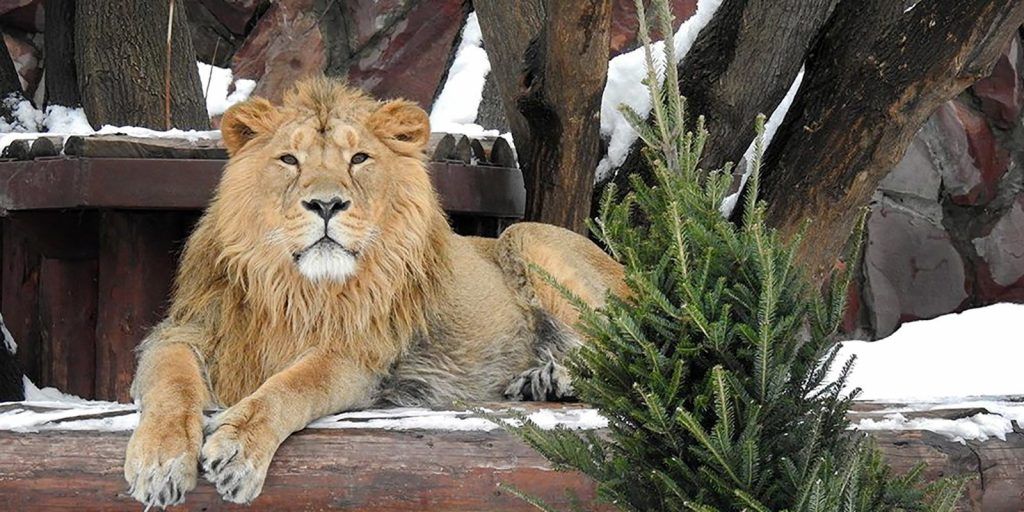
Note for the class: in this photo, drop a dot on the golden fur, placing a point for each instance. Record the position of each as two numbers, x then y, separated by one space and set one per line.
318 282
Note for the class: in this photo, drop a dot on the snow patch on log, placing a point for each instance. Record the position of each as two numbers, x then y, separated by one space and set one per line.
625 87
979 427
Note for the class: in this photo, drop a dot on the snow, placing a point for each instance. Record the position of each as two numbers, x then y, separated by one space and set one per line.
770 127
217 82
974 353
624 87
9 343
49 409
979 427
455 109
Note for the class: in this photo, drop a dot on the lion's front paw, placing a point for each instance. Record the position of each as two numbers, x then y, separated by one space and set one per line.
237 453
161 462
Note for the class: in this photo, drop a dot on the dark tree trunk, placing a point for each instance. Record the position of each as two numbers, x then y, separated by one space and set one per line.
741 65
874 76
121 53
552 78
59 44
10 85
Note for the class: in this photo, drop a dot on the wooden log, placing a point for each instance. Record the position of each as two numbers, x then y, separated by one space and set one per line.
123 146
441 148
378 470
17 149
463 153
67 321
44 147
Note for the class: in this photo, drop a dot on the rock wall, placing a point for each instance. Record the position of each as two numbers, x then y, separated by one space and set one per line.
946 228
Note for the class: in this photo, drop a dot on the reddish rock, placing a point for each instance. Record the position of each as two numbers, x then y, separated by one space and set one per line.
1002 248
624 22
972 161
364 18
916 174
912 270
26 62
1001 93
7 6
28 16
285 46
410 59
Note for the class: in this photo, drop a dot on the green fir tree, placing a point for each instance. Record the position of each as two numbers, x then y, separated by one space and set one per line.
712 373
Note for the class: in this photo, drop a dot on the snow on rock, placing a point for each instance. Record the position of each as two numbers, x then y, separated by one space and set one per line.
971 354
624 87
770 127
24 116
217 82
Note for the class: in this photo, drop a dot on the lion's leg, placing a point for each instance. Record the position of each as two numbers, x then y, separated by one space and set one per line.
161 459
575 263
242 440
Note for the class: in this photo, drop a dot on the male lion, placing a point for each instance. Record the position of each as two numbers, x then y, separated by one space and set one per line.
324 277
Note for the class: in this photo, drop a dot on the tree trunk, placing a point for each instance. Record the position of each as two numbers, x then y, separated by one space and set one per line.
874 76
121 53
59 44
552 78
741 65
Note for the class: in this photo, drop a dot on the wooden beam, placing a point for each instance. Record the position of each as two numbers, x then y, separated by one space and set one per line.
155 183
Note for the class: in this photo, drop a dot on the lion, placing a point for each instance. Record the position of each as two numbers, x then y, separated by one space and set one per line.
324 277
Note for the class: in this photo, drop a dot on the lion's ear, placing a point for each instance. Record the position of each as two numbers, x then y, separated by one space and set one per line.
244 121
402 125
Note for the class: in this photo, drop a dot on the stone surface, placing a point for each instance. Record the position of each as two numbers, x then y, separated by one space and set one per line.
624 22
27 16
10 5
1001 94
365 18
916 174
912 269
285 46
235 15
971 162
26 61
410 59
1003 247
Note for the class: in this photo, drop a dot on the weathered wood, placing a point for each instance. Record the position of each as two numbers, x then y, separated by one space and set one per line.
43 147
124 146
67 322
314 469
556 87
59 45
463 152
502 154
109 34
892 69
136 183
134 247
17 149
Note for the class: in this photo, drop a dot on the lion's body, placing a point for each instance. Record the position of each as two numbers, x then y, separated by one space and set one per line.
282 317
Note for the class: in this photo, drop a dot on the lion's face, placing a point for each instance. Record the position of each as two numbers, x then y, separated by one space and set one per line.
321 179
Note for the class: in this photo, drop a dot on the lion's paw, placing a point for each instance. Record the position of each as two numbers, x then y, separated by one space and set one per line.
549 382
236 456
160 471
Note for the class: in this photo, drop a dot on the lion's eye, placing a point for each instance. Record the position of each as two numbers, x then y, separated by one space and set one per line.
289 159
359 158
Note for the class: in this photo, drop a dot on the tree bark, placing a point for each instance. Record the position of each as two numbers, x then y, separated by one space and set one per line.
741 65
553 82
59 45
121 52
874 76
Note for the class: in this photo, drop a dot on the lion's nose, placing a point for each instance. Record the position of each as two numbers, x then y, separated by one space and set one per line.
327 209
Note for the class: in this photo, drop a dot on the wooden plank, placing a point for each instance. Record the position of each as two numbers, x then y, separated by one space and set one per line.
137 260
502 155
134 183
124 146
67 322
384 471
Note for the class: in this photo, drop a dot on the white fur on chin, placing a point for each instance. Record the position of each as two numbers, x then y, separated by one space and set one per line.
327 262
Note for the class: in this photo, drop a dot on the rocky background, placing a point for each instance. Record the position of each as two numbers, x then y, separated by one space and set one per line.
946 230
